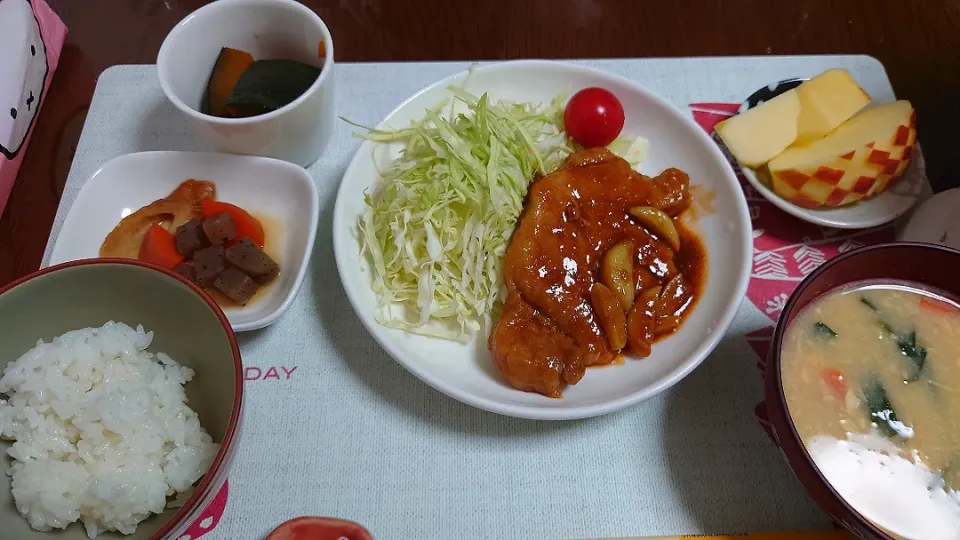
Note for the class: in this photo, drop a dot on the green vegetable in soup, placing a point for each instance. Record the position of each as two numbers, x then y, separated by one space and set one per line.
886 328
915 355
881 410
866 301
823 330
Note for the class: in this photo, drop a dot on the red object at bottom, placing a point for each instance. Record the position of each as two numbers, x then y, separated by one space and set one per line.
319 528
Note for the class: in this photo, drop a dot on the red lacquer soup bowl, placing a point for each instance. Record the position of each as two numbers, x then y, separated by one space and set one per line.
926 265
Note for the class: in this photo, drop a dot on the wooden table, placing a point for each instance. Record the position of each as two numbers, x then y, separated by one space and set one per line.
918 41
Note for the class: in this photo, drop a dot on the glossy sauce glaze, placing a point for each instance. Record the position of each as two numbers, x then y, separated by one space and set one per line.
551 330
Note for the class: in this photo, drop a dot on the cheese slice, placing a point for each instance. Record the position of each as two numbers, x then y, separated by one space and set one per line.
826 101
759 134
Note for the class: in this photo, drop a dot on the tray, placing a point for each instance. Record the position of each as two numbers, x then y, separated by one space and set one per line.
335 427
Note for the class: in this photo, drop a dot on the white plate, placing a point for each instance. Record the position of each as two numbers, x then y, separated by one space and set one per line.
465 371
281 193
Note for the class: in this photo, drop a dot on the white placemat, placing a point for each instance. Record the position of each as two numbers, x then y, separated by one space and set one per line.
335 427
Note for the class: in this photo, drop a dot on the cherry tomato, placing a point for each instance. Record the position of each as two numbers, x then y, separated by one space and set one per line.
319 528
593 117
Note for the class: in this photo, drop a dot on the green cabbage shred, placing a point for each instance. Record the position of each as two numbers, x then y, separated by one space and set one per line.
436 229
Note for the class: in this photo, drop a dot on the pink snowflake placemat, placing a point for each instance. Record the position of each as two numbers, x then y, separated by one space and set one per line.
785 249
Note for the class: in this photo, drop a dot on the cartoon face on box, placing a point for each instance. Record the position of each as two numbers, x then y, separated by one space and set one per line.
23 69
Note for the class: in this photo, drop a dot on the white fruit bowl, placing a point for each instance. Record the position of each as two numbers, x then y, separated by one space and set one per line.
883 208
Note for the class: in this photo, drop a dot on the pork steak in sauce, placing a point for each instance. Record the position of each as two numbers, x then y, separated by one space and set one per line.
549 332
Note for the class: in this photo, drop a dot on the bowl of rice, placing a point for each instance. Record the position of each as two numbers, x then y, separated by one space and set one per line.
120 402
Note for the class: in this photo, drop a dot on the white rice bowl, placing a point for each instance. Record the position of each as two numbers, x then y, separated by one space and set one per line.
103 433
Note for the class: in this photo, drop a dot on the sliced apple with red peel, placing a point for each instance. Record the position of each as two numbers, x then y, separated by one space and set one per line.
861 158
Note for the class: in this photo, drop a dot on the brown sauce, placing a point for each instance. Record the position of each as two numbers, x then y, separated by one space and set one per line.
691 261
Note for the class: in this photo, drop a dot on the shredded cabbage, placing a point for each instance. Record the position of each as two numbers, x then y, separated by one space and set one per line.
438 226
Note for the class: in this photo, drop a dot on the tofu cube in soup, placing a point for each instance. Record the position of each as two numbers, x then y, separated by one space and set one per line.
187 269
247 257
236 285
209 264
220 228
190 237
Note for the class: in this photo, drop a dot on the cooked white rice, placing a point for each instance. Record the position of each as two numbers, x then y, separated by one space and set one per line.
103 433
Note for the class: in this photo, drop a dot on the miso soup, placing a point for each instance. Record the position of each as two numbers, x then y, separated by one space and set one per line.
873 371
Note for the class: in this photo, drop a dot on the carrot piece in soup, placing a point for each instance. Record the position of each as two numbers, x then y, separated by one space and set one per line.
835 382
937 305
159 247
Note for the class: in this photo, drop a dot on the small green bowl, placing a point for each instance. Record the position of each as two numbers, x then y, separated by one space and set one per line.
187 324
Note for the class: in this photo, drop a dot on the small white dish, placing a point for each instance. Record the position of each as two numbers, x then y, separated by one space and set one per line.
281 194
883 208
466 371
267 29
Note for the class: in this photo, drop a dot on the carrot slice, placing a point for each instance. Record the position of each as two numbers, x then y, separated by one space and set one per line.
319 528
160 248
835 382
247 225
938 305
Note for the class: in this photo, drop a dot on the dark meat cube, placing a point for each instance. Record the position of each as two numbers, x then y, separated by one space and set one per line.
187 270
190 237
209 263
238 286
219 228
247 257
